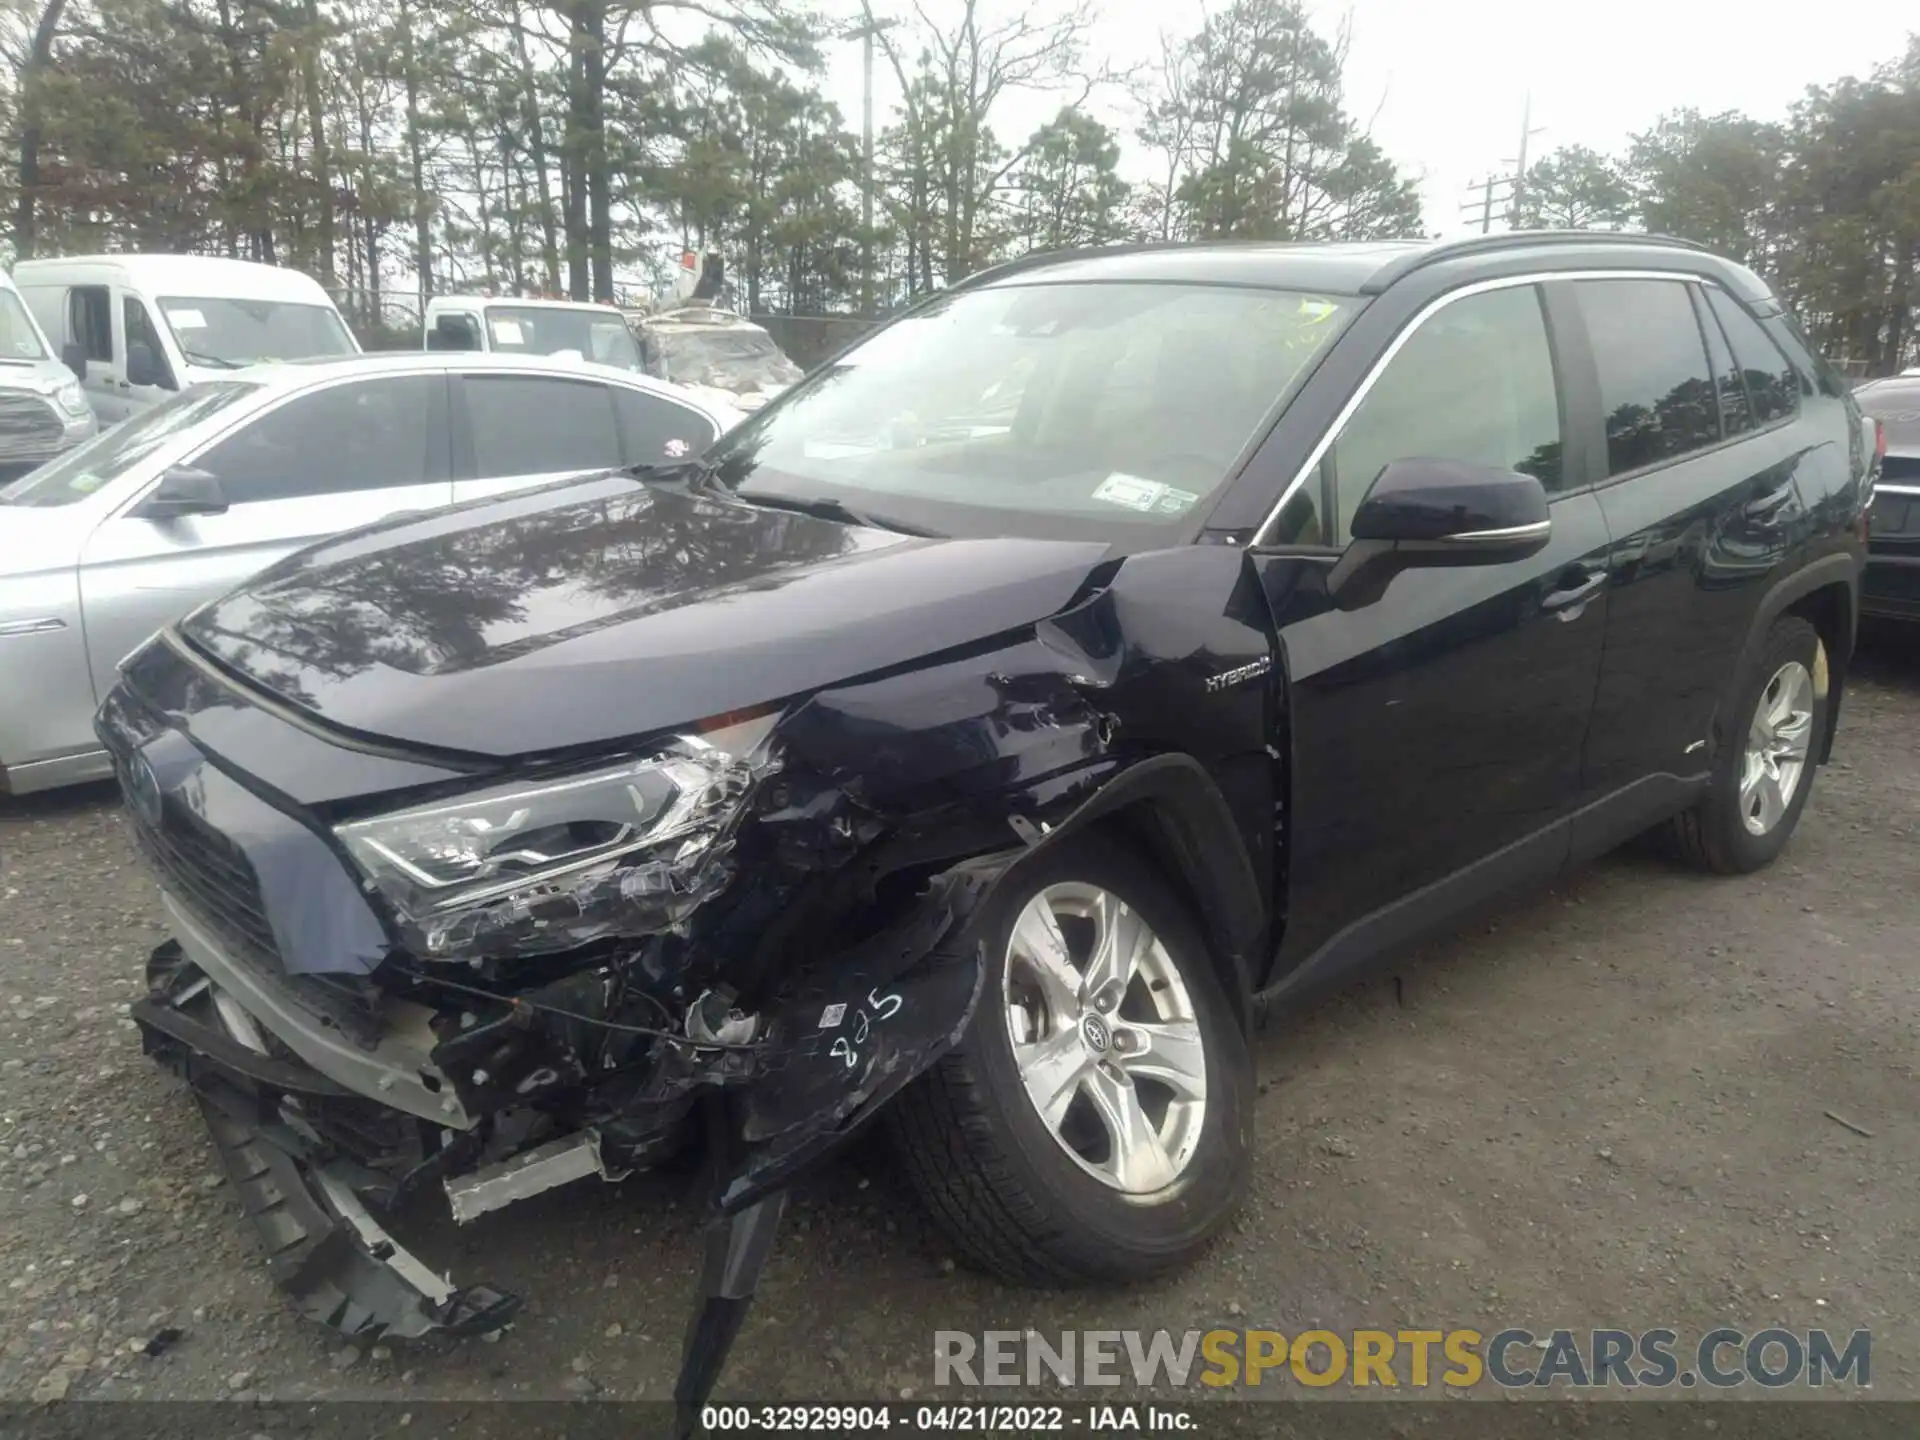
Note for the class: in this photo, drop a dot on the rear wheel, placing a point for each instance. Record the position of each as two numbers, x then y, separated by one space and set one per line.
1764 770
1092 1125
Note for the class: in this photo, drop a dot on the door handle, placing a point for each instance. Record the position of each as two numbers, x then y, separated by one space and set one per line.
1576 594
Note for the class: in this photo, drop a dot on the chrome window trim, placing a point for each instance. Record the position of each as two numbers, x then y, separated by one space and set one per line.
1911 491
1433 307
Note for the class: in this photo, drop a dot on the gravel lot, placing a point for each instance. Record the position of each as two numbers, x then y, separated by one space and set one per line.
1611 1108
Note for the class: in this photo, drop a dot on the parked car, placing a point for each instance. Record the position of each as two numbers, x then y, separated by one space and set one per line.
1892 588
704 347
990 776
566 329
138 329
132 530
43 411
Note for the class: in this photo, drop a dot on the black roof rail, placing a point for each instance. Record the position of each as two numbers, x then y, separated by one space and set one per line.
1400 268
1040 259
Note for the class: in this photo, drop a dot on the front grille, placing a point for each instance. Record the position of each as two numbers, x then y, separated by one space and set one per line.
213 878
28 427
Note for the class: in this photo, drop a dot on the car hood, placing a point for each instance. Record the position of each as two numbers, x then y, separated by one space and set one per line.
591 612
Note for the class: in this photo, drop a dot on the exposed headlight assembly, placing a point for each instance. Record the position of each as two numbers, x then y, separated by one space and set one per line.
71 398
533 867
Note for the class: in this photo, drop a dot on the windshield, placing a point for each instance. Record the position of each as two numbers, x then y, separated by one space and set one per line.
100 461
595 335
228 333
1091 411
19 337
738 360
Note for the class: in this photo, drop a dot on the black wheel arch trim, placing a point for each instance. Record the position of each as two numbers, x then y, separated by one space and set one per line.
1837 569
1192 831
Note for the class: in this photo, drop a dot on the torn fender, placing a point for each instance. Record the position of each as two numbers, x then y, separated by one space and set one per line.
850 1031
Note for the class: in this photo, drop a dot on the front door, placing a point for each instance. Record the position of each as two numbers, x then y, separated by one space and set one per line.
137 329
322 462
1435 734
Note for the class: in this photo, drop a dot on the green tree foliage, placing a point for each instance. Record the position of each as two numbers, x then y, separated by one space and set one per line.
1575 189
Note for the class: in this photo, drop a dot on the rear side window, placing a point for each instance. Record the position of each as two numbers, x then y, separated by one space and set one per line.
654 429
527 425
1473 383
1736 411
1771 380
1655 389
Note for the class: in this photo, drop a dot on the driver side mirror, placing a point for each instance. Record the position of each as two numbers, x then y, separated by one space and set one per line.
183 490
74 355
143 366
1428 513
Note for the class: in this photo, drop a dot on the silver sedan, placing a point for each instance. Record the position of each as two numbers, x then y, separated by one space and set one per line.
123 535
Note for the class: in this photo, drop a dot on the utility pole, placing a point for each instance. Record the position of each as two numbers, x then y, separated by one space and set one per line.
865 35
1484 205
1519 162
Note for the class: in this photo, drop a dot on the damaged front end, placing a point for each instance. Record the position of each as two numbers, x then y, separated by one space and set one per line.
515 985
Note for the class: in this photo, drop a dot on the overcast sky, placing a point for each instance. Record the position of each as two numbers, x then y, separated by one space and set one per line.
1451 78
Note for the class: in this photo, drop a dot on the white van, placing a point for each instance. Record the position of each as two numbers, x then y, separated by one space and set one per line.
565 329
137 328
42 409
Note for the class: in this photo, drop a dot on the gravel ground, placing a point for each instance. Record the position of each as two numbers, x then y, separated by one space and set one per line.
1609 1109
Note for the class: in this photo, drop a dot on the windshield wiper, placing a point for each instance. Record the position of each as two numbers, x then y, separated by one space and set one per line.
195 357
826 507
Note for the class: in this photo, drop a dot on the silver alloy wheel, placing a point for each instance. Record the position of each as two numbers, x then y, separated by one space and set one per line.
1105 1037
1777 744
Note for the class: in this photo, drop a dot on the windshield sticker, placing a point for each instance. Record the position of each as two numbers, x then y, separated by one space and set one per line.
187 319
1149 497
507 332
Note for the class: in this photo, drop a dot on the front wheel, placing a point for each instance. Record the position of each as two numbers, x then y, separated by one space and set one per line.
1092 1124
1764 770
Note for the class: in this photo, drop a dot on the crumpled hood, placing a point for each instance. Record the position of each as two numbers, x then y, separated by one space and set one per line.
599 610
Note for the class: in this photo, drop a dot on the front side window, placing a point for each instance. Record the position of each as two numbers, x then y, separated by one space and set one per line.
224 333
368 435
1474 383
89 467
1771 380
1656 392
589 334
139 328
19 336
528 425
1110 411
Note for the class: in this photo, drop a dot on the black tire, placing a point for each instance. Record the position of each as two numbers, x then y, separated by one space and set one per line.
1713 835
1014 1203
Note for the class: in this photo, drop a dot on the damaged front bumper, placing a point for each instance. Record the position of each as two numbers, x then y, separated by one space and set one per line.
319 1131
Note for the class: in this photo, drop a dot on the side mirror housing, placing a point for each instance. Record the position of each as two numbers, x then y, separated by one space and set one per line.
182 491
1425 513
74 355
143 366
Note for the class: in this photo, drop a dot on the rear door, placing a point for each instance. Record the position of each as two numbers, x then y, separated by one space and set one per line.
515 429
321 462
1436 733
1701 458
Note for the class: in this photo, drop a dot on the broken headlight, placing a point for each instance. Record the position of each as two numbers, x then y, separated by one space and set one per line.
538 866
